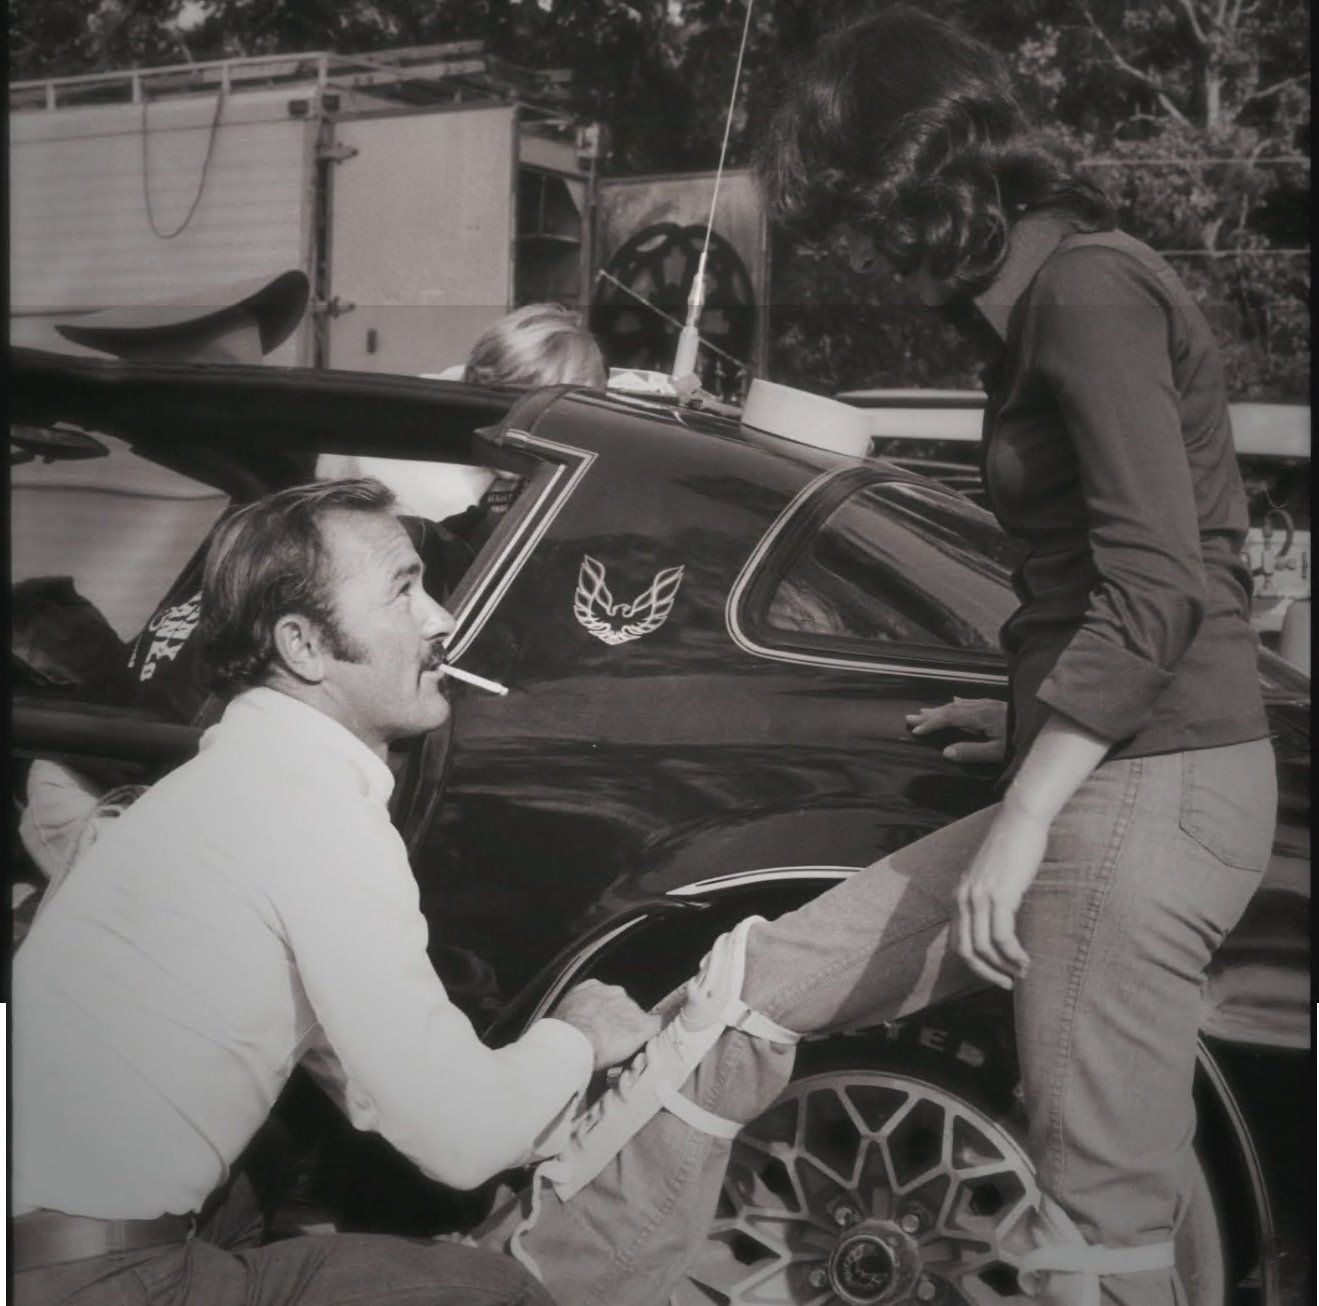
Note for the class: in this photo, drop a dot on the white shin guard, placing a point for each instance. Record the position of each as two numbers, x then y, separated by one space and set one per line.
653 1079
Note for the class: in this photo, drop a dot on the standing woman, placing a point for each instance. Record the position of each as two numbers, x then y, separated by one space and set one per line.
1136 814
1138 804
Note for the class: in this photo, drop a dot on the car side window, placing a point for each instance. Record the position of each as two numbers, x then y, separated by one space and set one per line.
450 509
99 537
901 565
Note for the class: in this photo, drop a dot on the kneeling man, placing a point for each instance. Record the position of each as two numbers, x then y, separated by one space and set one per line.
255 910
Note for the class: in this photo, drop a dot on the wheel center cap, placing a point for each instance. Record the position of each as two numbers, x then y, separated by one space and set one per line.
873 1264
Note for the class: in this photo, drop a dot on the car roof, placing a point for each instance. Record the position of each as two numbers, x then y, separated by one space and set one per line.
669 425
235 426
64 382
196 404
238 426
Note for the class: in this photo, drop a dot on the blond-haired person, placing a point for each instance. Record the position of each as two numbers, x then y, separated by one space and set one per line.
537 344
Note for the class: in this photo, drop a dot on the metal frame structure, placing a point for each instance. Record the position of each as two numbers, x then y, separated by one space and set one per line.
327 90
419 76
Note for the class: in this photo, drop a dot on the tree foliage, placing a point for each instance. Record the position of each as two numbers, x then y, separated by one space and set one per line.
1198 105
1185 109
65 38
1189 113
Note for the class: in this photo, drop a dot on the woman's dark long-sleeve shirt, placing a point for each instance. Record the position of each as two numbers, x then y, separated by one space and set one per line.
1108 453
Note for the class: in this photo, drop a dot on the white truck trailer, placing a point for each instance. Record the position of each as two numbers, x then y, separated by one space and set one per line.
424 191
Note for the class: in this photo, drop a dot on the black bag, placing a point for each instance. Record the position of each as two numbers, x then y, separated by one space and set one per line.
63 645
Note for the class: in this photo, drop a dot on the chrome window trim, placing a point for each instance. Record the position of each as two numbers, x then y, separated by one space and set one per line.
753 564
765 875
496 578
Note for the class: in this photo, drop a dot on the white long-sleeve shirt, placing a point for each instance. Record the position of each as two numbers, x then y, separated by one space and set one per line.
253 908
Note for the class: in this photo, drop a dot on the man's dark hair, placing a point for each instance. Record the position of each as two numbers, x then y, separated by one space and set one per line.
268 560
909 129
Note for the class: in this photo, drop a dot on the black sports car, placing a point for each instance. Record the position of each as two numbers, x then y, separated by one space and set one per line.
711 638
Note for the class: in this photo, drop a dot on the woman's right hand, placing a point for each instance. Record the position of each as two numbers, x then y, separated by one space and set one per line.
987 717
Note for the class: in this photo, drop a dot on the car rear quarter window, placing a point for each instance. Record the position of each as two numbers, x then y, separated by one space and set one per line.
97 541
886 568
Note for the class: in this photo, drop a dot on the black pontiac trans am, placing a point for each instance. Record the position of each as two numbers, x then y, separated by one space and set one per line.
712 638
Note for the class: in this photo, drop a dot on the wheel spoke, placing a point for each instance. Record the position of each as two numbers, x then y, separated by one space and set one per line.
766 1184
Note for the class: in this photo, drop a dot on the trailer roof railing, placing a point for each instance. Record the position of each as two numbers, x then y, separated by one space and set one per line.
419 75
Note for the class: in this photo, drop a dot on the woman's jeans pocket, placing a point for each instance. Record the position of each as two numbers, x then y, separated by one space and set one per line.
1230 802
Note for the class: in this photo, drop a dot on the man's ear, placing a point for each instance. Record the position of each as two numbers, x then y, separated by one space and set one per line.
300 647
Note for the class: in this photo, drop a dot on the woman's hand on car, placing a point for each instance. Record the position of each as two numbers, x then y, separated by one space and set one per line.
986 717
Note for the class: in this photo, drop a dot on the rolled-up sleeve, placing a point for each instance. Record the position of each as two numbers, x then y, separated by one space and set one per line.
1100 334
407 1062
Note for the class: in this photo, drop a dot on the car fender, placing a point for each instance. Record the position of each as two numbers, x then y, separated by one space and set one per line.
1258 985
695 912
576 962
788 839
767 862
1240 1178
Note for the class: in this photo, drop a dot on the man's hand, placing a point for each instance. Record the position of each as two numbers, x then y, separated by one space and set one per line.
614 1024
990 894
987 717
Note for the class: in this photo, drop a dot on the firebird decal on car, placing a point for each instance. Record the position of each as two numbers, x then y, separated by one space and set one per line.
593 605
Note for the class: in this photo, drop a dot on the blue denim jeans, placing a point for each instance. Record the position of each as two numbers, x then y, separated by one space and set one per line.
1148 867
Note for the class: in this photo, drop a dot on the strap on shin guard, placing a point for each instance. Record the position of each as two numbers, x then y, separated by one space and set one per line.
1071 1254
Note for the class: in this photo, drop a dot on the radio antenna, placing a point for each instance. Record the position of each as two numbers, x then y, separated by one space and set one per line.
689 339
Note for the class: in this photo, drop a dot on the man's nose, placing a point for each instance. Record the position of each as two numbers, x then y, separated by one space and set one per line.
436 621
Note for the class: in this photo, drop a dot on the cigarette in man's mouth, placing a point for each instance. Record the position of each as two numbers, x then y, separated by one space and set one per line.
490 686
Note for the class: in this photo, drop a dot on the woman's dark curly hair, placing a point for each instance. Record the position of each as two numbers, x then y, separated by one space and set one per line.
908 129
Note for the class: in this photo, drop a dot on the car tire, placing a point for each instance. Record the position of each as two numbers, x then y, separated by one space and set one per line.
927 1116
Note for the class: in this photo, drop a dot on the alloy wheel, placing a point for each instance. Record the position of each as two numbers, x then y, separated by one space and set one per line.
865 1188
